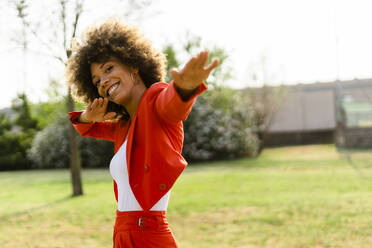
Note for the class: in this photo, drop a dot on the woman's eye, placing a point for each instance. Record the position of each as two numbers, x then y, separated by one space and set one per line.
108 69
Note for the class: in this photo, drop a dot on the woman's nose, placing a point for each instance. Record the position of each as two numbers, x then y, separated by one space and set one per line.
104 82
102 86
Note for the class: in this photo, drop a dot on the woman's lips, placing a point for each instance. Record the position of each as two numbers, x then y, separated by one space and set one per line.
111 90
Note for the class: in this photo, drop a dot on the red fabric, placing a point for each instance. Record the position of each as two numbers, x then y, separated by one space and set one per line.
137 229
155 141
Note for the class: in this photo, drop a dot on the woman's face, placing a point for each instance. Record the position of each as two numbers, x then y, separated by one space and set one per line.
113 80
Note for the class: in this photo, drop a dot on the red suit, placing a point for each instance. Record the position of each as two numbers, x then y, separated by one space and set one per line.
155 139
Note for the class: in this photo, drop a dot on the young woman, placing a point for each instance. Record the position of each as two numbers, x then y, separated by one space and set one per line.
120 76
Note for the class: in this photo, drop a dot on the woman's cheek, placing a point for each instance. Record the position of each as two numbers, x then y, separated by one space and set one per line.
101 92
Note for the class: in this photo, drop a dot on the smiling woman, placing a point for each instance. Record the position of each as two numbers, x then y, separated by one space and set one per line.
123 43
118 83
118 74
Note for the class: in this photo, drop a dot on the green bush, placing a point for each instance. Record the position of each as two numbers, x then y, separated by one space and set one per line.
50 148
17 130
13 147
219 127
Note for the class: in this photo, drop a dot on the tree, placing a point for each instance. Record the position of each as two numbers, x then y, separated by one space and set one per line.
22 108
62 26
263 102
68 33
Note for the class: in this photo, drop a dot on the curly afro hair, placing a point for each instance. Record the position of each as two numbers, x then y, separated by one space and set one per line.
112 39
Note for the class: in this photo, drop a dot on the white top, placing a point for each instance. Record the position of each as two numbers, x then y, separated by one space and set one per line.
126 198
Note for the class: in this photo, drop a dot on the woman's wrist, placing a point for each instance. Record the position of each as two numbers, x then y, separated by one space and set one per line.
185 94
82 118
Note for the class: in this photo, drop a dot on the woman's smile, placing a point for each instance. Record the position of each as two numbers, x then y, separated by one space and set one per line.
112 89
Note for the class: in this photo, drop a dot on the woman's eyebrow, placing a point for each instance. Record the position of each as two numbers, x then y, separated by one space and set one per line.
100 67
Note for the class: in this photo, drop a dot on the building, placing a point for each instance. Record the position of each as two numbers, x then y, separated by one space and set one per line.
322 113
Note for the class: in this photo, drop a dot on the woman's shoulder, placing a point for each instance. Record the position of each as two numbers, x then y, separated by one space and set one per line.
158 86
155 89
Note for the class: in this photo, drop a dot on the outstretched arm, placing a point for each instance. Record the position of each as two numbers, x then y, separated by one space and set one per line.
174 103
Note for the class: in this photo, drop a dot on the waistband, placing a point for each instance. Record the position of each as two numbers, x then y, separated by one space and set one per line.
140 220
130 214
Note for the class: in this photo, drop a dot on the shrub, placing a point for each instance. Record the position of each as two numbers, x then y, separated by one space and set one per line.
50 148
219 132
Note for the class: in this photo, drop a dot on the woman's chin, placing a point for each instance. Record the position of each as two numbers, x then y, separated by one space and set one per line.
117 100
114 101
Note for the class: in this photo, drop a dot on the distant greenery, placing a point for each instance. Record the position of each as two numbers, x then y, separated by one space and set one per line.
16 135
302 196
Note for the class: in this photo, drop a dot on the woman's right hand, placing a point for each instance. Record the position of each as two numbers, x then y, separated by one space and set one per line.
96 111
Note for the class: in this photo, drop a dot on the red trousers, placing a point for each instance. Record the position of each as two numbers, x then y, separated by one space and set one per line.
138 229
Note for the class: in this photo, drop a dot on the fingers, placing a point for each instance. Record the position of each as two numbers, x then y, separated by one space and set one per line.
202 59
199 62
98 103
105 102
96 110
195 71
89 106
212 65
109 116
191 63
175 74
93 105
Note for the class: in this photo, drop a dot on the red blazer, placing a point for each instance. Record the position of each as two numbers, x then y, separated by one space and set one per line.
155 139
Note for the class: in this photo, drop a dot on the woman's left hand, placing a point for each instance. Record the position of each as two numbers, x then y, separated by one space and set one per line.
194 72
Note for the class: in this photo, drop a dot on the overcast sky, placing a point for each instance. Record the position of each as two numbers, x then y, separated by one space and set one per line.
301 41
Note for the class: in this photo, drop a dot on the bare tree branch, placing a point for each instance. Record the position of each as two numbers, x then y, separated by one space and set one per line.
78 11
21 8
38 52
63 20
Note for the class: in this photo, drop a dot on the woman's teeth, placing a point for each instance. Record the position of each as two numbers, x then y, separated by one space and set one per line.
112 89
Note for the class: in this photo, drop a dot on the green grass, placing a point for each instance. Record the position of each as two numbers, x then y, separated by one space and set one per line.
290 197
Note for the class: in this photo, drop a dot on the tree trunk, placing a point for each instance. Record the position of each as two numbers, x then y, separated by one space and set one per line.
75 161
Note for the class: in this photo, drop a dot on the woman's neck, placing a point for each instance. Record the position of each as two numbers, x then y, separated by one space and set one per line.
137 94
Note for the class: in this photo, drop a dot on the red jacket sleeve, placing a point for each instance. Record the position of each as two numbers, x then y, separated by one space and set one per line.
171 108
99 130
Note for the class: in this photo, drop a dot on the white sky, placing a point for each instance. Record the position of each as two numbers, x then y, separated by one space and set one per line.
302 41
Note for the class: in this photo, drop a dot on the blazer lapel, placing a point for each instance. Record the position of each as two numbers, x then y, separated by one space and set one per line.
130 142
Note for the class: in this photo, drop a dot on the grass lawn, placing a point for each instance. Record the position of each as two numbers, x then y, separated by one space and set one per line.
290 197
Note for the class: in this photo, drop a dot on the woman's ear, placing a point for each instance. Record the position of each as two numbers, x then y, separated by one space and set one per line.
131 69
